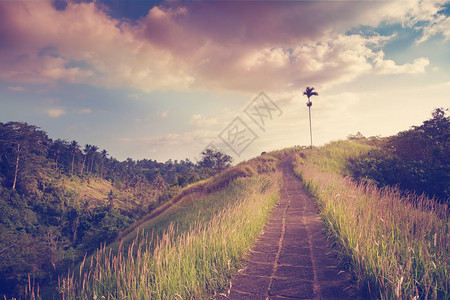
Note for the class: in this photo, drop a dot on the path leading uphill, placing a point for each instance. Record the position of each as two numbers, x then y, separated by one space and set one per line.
292 258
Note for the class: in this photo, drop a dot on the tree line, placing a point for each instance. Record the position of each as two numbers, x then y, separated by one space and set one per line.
26 153
415 160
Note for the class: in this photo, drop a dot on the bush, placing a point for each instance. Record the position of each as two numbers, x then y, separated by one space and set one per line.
415 160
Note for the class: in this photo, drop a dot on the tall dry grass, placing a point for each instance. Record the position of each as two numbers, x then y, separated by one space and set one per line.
174 263
397 246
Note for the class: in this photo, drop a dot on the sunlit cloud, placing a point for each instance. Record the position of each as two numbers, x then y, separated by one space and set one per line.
163 114
389 67
56 112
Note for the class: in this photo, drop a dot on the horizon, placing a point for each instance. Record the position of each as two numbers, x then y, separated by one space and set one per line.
164 79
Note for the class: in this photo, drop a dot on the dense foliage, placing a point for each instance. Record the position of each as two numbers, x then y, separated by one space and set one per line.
60 201
414 160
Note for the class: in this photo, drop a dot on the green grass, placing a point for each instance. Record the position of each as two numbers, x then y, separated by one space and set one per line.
396 246
188 252
333 157
259 165
95 192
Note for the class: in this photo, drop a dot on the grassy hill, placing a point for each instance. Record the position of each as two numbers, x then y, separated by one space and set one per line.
191 247
94 189
98 192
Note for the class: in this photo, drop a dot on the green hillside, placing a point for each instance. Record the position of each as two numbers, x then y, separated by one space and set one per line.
60 201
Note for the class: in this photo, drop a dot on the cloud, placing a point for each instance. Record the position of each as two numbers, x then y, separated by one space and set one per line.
16 88
383 66
201 121
167 146
163 114
56 112
201 136
440 25
134 96
218 45
124 140
83 111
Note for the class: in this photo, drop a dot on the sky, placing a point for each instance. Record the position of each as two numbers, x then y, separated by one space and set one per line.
166 79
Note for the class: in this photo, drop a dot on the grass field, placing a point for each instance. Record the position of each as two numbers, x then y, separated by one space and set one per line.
397 246
190 251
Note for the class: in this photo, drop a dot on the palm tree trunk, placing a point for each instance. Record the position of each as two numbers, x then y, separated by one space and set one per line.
73 160
17 166
92 163
82 167
56 161
310 127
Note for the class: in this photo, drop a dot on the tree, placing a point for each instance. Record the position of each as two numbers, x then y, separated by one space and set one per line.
417 159
75 149
310 92
90 151
111 197
429 142
86 151
92 154
214 161
55 150
23 147
104 154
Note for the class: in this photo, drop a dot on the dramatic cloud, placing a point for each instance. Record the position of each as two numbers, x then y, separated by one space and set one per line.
217 45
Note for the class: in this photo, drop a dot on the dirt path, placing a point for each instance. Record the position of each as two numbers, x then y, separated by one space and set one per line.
292 258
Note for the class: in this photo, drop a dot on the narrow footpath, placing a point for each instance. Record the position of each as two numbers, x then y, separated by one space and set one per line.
292 258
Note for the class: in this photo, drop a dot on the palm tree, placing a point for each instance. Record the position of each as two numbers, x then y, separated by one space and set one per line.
310 92
104 154
92 154
86 150
75 149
